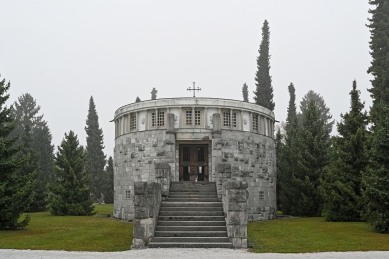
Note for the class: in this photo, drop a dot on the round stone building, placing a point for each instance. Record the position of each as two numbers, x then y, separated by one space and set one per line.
198 139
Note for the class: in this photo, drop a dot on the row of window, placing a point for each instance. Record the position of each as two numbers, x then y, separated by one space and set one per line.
229 120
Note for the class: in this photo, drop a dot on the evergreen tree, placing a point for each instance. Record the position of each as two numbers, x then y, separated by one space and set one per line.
245 92
16 192
108 187
263 95
292 105
137 100
154 93
94 148
69 188
309 155
324 110
42 144
341 184
29 127
376 175
279 146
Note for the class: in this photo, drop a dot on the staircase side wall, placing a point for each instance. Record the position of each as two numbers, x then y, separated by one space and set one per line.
247 157
147 203
141 157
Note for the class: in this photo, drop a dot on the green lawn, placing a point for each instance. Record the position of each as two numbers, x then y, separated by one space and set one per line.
71 233
303 235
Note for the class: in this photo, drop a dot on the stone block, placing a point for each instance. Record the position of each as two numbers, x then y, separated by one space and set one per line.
236 242
139 231
141 213
138 243
233 218
140 188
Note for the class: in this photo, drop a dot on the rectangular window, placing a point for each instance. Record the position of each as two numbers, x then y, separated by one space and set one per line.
261 195
226 119
197 117
161 119
128 194
234 120
188 118
132 121
153 120
255 122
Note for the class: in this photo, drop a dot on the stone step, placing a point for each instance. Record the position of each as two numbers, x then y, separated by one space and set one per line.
159 233
185 195
191 228
200 183
194 190
191 213
191 239
191 204
191 199
192 218
191 209
190 245
192 223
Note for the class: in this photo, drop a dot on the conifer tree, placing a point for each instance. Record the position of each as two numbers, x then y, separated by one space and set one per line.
263 95
154 93
341 182
69 188
94 148
108 187
292 105
279 146
16 192
245 92
376 175
321 105
309 146
34 143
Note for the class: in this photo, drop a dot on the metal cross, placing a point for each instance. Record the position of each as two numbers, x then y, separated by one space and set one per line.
194 89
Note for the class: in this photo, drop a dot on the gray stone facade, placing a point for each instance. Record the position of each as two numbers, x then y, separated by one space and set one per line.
243 152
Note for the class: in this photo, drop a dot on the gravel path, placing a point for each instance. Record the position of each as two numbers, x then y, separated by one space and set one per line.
184 253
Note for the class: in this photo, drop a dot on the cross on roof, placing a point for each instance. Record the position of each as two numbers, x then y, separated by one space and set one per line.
194 89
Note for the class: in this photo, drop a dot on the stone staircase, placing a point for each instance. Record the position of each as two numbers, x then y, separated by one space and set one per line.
192 217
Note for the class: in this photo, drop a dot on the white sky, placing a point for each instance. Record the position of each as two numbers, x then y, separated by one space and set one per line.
62 52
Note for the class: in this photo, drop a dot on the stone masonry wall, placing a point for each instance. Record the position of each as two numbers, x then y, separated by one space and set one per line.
147 203
247 157
137 158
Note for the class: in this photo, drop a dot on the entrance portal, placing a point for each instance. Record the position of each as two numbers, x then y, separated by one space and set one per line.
194 162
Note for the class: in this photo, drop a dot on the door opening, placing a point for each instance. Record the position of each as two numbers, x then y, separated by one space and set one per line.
193 162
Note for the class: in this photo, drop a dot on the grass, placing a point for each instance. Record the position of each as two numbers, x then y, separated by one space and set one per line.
306 235
71 233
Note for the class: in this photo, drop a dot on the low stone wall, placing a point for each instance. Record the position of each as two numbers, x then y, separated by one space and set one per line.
235 196
147 202
162 175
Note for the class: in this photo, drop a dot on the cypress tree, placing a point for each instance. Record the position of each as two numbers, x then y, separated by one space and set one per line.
245 92
69 188
292 105
341 182
94 148
376 175
263 95
16 191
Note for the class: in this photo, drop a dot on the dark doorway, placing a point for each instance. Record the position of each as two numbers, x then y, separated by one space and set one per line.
193 162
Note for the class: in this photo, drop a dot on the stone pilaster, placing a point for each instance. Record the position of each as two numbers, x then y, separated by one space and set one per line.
235 197
147 202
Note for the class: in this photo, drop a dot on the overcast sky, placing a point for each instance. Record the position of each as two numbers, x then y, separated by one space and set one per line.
63 52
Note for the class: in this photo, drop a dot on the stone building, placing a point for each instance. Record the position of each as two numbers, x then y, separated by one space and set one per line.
201 139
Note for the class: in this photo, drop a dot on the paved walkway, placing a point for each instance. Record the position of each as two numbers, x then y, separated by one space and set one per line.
168 253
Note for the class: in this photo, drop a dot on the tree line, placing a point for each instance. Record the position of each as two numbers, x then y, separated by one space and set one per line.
35 178
343 177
